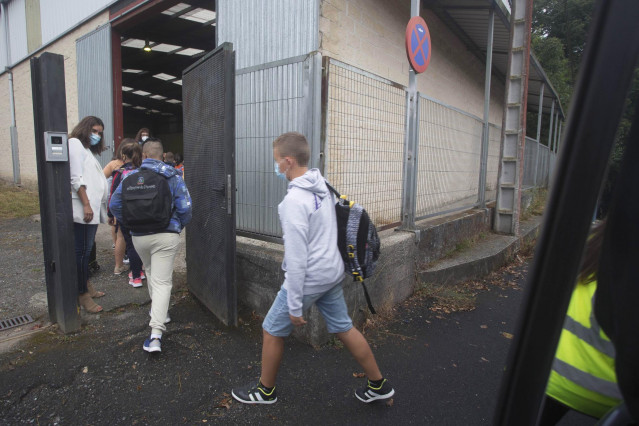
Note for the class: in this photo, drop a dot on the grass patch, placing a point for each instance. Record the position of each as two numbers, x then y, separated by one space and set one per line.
447 298
17 202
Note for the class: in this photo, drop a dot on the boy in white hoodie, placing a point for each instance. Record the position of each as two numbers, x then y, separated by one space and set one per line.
313 271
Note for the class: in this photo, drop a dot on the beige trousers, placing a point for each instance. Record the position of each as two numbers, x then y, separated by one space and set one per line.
157 252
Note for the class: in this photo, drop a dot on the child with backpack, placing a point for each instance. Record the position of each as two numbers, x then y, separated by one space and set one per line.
154 203
314 270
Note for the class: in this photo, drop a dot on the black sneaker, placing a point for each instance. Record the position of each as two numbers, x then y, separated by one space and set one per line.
371 393
254 395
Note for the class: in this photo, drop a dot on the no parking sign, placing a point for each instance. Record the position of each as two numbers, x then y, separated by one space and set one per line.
418 44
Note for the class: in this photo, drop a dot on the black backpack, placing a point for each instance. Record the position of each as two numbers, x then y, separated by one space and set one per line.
146 202
357 240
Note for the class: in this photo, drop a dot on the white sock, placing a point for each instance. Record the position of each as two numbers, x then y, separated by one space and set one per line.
156 336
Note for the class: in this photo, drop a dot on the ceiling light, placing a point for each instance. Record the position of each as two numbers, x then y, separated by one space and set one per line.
147 46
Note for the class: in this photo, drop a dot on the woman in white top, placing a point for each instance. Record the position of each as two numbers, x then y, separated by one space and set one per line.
89 193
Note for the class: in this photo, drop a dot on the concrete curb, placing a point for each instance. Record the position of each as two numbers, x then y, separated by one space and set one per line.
486 256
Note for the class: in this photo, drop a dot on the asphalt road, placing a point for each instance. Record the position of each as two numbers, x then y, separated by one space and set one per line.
445 367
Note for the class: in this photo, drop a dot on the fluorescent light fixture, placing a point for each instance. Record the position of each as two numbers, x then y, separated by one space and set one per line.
164 77
155 111
177 82
164 47
199 15
174 101
125 104
134 43
189 51
131 71
175 9
126 88
141 93
139 107
158 97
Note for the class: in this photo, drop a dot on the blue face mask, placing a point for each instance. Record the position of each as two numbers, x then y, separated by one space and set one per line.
95 139
278 173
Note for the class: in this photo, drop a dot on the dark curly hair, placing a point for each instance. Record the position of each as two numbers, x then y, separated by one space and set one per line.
82 131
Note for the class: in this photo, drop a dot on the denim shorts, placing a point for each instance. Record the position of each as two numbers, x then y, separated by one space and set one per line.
331 305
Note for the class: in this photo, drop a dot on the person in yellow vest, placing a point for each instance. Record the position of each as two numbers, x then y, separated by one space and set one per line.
583 373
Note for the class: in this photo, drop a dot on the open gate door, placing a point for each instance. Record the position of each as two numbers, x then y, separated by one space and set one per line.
208 96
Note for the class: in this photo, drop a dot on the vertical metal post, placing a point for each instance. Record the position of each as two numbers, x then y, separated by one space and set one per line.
561 123
539 115
411 144
54 183
13 130
552 116
483 165
555 138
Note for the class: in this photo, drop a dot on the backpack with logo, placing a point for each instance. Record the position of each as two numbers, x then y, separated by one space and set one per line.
146 202
357 240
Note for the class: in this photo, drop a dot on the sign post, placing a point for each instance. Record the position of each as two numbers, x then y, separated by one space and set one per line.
418 50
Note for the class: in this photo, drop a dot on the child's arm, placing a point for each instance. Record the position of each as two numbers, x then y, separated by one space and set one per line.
295 227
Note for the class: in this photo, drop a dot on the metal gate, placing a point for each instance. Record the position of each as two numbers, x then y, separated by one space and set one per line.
208 97
95 83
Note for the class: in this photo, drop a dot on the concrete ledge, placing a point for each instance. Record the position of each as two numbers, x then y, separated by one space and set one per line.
485 256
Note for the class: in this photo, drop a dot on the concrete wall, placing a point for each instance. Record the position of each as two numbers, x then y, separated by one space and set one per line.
369 34
24 104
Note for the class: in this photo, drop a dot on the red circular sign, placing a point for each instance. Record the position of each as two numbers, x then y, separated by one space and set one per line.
418 44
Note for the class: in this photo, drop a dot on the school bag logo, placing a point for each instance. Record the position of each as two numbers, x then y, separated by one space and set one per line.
147 204
357 240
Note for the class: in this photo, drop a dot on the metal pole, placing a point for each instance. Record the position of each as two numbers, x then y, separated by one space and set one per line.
561 123
552 116
483 165
410 144
555 138
15 154
539 115
50 114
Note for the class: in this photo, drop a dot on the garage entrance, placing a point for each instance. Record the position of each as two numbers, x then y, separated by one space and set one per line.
152 43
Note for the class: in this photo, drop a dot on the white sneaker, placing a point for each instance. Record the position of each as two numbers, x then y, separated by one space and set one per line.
152 345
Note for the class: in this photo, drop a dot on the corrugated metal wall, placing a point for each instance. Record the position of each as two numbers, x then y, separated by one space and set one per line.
17 30
266 31
272 100
95 82
57 16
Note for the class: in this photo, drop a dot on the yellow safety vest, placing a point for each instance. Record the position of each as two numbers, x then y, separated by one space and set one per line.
583 372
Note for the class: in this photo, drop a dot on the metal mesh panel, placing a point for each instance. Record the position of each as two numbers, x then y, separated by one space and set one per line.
492 169
449 158
206 114
365 141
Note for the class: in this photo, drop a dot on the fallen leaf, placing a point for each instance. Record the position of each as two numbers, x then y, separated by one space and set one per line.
506 335
389 403
85 370
455 365
484 359
134 366
483 326
359 375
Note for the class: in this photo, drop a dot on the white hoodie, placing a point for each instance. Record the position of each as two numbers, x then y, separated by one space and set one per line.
312 262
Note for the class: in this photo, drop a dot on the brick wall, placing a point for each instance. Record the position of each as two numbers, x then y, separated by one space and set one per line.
24 104
369 34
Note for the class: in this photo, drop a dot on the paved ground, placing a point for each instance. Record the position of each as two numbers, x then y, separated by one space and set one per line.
445 367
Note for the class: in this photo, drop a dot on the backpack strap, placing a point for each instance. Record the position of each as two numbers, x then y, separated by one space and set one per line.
330 188
368 299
